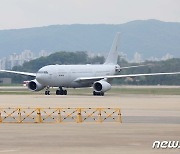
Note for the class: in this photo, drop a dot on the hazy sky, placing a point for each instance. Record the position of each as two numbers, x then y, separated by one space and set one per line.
33 13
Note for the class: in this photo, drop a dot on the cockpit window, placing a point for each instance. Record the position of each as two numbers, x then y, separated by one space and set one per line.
43 72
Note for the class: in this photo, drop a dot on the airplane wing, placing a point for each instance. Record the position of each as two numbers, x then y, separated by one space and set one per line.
21 73
83 79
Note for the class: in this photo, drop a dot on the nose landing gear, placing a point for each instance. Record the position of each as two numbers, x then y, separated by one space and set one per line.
47 92
61 91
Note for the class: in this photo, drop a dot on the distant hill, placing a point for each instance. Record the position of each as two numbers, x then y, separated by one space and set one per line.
148 37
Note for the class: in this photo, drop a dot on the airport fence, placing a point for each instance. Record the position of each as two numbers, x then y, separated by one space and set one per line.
59 115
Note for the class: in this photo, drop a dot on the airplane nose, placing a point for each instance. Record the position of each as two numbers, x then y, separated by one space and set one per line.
39 77
42 76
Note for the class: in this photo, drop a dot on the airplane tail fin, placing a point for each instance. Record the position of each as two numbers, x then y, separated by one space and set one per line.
113 54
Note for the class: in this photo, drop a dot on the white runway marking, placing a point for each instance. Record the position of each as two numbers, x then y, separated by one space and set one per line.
6 151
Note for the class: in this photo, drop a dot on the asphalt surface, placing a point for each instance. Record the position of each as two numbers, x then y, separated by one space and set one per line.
146 118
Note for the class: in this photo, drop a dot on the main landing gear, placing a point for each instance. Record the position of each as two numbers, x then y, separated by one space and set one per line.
61 91
98 93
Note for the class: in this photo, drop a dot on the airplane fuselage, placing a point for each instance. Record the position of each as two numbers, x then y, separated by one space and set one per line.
64 75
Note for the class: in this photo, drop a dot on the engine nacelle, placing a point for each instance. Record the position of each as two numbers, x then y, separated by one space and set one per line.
101 86
34 85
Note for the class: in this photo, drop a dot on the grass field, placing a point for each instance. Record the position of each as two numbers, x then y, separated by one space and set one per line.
88 91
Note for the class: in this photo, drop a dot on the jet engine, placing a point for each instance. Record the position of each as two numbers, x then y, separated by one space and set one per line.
101 86
34 85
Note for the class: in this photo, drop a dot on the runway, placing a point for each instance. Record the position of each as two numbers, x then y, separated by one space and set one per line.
146 118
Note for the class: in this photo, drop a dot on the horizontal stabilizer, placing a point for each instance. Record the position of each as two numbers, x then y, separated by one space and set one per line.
136 66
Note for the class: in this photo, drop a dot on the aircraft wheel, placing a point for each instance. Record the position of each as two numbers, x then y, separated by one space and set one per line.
61 92
57 92
47 92
98 93
65 92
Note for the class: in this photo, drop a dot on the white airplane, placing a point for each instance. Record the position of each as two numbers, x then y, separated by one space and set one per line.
77 76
